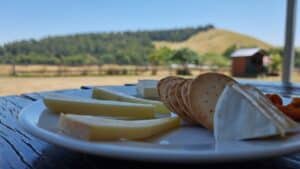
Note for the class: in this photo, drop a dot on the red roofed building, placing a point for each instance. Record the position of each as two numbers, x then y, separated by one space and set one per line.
247 62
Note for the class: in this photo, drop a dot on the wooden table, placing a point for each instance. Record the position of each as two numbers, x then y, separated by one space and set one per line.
20 150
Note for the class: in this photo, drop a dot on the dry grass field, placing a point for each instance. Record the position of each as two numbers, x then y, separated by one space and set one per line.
18 85
215 40
10 85
56 70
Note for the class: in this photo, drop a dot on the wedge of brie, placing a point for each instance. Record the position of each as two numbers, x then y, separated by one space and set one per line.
243 112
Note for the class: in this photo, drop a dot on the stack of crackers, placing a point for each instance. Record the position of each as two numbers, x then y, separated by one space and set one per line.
193 100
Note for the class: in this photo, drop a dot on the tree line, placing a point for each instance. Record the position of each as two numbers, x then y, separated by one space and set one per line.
129 47
93 48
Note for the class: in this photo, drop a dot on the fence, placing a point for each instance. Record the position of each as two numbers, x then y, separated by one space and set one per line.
94 70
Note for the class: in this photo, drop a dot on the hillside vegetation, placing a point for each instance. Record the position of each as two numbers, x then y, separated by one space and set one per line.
202 45
93 48
214 41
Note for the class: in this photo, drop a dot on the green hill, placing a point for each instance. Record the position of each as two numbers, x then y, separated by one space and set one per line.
131 47
215 41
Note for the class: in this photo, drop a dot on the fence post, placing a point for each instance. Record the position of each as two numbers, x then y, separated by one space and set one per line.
13 72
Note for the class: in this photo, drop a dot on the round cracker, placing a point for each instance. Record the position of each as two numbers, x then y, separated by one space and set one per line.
203 94
161 86
169 93
179 100
161 81
184 93
178 96
173 101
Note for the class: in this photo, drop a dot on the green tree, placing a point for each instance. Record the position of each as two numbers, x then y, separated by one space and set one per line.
297 59
279 51
34 58
275 65
227 53
160 56
123 47
1 51
214 60
184 57
107 58
272 51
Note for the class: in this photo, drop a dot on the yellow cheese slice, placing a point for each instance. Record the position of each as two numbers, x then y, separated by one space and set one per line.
69 104
105 94
99 128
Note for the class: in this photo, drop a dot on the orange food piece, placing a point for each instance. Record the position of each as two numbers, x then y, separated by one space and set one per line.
292 110
275 99
268 96
296 102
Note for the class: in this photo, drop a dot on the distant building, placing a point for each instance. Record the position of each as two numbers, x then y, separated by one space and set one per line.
248 62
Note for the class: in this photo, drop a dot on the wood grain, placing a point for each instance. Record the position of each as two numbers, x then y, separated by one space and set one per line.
20 150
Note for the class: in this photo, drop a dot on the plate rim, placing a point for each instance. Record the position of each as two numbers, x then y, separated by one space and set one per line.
139 153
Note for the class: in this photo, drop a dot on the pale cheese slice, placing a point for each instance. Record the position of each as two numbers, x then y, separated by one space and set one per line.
75 105
106 94
243 112
99 128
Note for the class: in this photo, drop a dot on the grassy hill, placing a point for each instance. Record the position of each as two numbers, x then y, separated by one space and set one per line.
124 48
129 47
215 40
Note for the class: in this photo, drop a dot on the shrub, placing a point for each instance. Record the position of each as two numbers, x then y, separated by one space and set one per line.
214 60
275 65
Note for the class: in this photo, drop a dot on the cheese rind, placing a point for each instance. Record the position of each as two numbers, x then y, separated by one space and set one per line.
242 112
105 94
99 128
67 104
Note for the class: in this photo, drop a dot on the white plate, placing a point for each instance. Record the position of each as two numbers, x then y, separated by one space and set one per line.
188 144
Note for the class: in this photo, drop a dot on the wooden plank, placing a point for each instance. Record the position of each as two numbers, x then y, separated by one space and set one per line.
72 92
17 150
21 150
